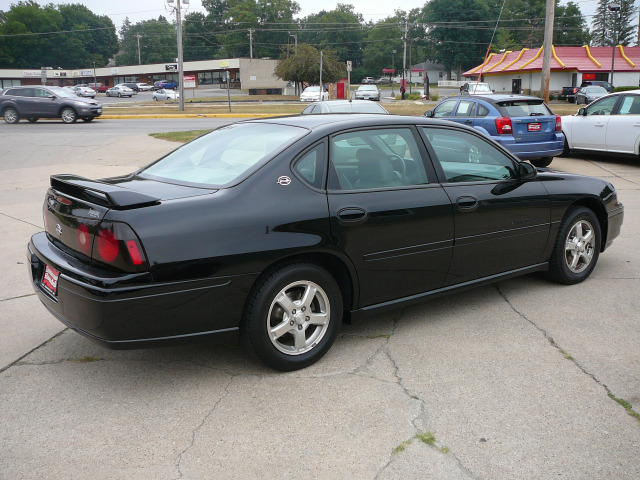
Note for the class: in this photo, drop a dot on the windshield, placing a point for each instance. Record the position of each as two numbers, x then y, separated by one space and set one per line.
311 89
368 87
222 156
525 108
63 92
595 90
357 108
481 87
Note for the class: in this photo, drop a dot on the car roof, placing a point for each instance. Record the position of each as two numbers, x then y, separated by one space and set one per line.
501 97
341 121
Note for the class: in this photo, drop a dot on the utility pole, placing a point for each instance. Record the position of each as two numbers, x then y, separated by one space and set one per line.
180 67
139 61
614 7
321 87
404 59
251 43
546 52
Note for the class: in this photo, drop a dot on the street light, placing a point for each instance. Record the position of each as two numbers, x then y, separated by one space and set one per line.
393 68
95 82
614 7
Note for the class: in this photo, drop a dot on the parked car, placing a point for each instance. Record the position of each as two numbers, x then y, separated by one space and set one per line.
609 124
368 80
35 102
132 86
569 94
278 229
83 91
101 88
312 94
589 94
119 91
144 87
344 106
606 85
165 84
383 81
522 124
164 94
475 88
367 92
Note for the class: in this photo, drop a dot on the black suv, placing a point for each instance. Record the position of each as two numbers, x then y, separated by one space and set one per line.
132 86
606 85
34 102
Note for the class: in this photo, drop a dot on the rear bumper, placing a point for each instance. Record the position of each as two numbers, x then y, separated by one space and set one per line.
532 150
125 311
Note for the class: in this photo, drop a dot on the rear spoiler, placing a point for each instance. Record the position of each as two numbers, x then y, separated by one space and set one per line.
101 193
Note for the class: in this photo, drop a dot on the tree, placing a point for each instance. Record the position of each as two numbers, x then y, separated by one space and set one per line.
304 67
200 37
570 26
69 36
605 21
382 38
158 42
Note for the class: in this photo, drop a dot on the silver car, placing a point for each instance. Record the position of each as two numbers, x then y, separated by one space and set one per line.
119 91
344 106
165 94
588 94
368 92
83 91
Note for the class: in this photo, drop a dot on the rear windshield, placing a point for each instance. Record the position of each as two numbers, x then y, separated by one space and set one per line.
525 108
222 156
350 108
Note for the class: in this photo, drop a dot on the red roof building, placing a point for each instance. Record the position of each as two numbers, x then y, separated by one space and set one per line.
570 66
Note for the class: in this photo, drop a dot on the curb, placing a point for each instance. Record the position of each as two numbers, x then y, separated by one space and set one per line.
188 115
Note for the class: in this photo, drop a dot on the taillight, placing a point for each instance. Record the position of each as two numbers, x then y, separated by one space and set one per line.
503 126
83 238
558 123
117 245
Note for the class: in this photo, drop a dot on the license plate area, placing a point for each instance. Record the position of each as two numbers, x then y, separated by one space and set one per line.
534 127
50 280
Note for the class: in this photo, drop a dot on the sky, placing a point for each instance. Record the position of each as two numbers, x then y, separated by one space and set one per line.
139 10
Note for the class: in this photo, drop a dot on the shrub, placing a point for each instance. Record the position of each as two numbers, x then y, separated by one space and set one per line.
624 89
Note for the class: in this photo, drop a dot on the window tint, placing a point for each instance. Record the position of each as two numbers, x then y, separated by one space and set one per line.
524 108
464 157
604 106
444 109
378 158
42 93
311 166
482 111
22 92
630 105
465 108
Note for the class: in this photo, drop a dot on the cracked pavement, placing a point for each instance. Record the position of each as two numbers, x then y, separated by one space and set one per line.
511 380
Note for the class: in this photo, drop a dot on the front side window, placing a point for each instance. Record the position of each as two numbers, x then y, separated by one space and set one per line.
377 158
604 106
444 109
465 157
224 155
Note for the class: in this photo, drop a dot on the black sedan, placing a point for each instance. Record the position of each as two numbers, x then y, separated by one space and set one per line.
280 229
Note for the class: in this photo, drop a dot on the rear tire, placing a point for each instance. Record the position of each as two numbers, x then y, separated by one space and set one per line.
577 247
11 115
292 316
541 162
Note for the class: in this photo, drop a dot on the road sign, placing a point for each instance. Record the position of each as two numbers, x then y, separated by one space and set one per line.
189 81
348 65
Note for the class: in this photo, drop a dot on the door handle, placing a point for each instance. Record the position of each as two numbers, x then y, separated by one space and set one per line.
468 122
598 124
467 203
352 214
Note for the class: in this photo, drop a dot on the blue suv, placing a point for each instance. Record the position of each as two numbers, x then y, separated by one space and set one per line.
524 125
170 84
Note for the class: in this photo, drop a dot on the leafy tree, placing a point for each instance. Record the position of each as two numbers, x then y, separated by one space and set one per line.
382 38
69 36
570 26
200 40
158 42
304 67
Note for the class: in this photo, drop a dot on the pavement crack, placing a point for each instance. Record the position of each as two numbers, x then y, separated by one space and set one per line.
16 298
18 361
565 354
20 220
195 431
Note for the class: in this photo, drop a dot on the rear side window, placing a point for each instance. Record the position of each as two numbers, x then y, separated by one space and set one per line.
311 166
630 105
524 108
465 108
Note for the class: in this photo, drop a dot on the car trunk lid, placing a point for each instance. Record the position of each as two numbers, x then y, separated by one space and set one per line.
531 120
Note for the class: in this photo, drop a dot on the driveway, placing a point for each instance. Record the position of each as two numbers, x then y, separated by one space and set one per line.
517 380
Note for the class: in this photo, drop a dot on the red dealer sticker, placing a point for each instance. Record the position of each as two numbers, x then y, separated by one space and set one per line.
534 127
50 279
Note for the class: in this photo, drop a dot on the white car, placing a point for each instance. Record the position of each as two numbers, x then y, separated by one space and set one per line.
144 87
82 91
165 94
609 124
119 91
312 94
475 88
367 92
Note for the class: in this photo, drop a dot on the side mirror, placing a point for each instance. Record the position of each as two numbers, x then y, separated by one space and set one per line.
52 97
428 113
527 171
582 111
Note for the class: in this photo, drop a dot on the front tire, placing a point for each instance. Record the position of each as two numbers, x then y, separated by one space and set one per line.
68 115
11 115
577 247
541 162
292 316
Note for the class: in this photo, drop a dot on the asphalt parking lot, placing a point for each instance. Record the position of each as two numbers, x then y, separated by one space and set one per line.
523 379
